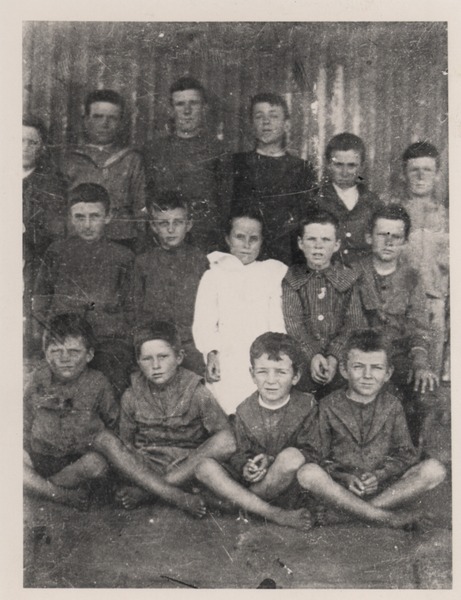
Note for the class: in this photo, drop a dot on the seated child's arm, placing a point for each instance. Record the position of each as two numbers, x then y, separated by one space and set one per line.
214 419
108 409
247 449
127 425
308 438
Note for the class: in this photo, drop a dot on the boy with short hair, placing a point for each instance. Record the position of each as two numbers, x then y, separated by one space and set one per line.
65 405
320 302
346 196
270 179
276 433
188 160
370 467
105 161
427 248
393 300
166 278
91 275
168 416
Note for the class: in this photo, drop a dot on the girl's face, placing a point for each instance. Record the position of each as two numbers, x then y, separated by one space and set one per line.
31 147
245 239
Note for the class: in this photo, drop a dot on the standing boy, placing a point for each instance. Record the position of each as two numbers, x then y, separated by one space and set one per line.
270 179
91 275
346 196
393 300
103 160
166 278
276 432
427 247
369 464
168 415
188 161
320 301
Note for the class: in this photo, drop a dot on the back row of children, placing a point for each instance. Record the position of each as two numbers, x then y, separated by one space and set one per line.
173 442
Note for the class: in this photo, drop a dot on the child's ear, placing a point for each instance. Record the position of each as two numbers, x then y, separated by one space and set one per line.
108 218
337 245
252 373
190 222
390 370
343 370
226 238
368 239
296 378
89 355
179 356
300 241
287 126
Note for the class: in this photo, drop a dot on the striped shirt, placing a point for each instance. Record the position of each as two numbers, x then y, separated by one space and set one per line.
321 308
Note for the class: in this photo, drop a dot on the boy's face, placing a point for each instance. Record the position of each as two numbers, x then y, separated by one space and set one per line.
366 373
88 220
421 176
274 378
31 147
318 244
158 361
245 239
67 360
269 123
188 108
103 123
344 168
170 226
387 239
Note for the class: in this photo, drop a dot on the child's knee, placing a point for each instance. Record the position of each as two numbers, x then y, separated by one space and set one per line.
227 443
290 459
433 472
204 468
309 474
95 465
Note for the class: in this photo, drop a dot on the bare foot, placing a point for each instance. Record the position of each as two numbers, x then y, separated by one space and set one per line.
191 503
131 497
298 519
319 516
410 520
77 498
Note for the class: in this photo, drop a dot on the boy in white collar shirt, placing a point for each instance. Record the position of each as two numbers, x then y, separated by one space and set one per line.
346 196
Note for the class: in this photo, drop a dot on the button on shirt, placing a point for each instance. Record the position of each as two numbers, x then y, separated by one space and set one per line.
321 307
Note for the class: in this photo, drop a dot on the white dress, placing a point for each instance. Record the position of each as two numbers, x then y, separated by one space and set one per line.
236 303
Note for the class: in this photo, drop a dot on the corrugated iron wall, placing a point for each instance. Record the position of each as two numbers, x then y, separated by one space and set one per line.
386 82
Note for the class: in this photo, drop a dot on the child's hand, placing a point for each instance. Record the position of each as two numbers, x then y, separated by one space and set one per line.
370 481
353 484
255 468
320 369
213 370
424 379
332 366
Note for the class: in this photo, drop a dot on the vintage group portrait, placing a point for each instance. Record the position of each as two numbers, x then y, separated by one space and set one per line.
236 305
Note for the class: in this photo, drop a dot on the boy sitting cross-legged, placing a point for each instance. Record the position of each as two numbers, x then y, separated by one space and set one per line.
369 463
276 432
168 416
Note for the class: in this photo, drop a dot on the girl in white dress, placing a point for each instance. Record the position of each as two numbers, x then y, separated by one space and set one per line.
238 299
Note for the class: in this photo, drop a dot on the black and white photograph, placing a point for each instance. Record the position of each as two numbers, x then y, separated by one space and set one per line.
236 352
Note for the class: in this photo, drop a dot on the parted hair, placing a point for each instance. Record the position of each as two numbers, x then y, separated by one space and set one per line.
275 345
368 340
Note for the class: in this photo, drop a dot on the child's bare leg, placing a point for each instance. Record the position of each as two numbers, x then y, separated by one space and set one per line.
220 446
421 478
89 467
133 468
317 481
280 474
43 488
216 478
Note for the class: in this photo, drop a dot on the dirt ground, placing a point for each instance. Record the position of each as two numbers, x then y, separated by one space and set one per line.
158 546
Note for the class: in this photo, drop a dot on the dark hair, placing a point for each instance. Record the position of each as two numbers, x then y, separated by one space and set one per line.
368 340
419 150
242 212
38 124
187 83
104 96
165 200
68 325
90 192
275 345
344 142
322 217
157 330
393 212
272 99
